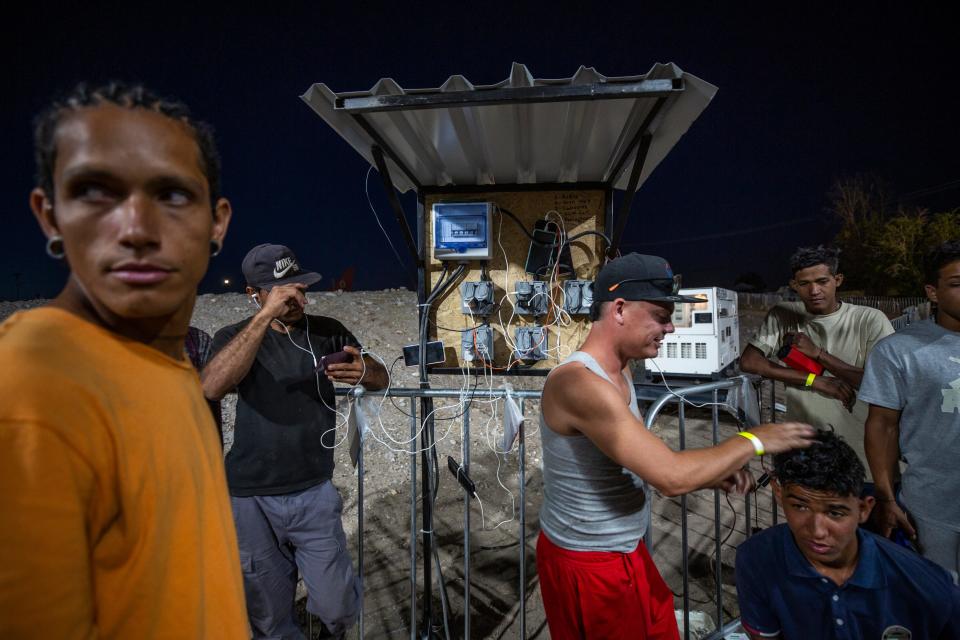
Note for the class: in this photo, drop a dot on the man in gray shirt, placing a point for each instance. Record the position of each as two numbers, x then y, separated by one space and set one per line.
912 383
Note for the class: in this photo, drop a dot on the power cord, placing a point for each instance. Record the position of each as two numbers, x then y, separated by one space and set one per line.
366 189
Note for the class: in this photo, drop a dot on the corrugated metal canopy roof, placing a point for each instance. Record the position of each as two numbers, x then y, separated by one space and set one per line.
523 130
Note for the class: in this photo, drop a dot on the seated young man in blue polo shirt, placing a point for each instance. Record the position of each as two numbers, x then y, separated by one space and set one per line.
821 576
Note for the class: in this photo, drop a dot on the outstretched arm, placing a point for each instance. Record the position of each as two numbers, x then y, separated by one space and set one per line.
575 398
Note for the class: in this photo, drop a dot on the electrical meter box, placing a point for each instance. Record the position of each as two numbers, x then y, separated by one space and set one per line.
462 230
706 339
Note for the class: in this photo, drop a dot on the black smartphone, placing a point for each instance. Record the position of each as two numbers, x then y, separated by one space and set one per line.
332 358
545 252
461 476
411 353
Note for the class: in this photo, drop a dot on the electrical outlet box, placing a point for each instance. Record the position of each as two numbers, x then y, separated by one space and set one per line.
577 297
476 298
462 230
531 343
477 344
531 297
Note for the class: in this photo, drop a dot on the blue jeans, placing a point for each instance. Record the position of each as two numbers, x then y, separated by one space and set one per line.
279 535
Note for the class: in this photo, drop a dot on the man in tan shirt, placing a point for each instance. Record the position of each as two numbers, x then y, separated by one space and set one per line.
836 334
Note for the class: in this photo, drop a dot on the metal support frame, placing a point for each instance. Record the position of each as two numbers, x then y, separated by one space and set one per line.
413 520
465 462
510 95
360 477
641 141
378 141
623 212
642 130
522 452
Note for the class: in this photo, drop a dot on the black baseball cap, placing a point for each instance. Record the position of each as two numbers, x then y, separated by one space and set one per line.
267 265
636 276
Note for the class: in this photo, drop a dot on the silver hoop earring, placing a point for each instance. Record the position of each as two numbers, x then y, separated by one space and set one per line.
55 247
215 248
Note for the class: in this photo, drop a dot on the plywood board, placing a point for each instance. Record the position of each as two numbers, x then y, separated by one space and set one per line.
577 210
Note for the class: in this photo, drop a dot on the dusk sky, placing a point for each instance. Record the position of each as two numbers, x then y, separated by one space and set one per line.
804 98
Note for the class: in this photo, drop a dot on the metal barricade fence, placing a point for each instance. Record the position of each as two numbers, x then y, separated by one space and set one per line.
678 396
413 395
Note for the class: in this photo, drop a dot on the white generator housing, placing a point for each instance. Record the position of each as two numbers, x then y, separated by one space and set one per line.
707 336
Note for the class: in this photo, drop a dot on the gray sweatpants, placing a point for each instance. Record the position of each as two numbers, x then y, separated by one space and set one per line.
939 544
279 535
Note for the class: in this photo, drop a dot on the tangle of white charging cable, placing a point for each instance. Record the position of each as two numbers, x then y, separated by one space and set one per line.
316 375
423 422
677 395
506 293
508 340
313 356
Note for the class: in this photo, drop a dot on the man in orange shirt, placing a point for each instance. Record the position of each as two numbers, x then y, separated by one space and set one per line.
115 520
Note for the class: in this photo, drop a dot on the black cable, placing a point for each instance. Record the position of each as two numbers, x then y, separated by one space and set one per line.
444 597
733 526
431 466
520 224
482 324
583 234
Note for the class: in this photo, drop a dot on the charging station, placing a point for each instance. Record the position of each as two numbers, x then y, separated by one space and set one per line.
515 216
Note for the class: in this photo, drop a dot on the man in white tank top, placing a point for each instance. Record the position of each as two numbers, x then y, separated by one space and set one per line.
597 579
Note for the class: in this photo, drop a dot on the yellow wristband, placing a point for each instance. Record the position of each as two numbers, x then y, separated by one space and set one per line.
810 378
754 440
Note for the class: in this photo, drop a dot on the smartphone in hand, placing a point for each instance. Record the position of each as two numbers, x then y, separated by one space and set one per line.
332 358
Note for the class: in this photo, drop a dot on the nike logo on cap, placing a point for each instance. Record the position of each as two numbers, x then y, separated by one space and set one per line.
283 265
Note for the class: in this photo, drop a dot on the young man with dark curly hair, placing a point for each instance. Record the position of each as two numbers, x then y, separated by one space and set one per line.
837 335
820 575
115 515
912 384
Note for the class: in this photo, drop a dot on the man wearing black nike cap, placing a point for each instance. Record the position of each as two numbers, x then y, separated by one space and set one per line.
596 577
286 509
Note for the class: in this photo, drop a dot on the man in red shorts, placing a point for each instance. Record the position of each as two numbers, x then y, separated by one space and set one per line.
597 579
